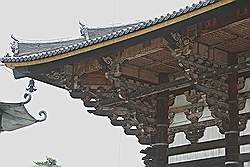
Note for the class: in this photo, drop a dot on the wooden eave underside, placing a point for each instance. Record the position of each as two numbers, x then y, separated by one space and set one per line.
140 33
146 60
234 38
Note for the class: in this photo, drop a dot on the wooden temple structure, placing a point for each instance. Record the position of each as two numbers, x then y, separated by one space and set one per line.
133 74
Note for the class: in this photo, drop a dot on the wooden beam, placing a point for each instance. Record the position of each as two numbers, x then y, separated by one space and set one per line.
208 145
140 74
145 48
145 53
209 162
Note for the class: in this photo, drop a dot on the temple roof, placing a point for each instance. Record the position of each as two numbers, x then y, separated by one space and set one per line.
31 51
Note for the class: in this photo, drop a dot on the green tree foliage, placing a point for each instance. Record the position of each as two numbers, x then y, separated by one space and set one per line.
50 162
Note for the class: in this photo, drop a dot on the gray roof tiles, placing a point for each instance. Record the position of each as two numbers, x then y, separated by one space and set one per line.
35 51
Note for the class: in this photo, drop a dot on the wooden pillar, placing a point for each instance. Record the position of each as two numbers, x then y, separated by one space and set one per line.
232 131
162 125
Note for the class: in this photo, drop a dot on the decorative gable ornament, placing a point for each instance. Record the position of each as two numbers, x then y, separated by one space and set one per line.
84 31
14 45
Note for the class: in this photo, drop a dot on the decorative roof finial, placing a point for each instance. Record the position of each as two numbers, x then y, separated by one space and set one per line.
84 31
14 45
31 87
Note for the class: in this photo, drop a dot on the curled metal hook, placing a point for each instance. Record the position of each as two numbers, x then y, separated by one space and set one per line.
44 114
27 96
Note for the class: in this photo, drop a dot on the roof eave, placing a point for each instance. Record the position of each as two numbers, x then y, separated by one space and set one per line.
113 41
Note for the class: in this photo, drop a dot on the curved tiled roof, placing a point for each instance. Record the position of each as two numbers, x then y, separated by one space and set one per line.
29 48
36 51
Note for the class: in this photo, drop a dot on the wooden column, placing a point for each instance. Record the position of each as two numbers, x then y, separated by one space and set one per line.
162 124
232 131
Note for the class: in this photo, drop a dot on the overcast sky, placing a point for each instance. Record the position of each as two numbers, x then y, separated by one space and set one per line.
70 134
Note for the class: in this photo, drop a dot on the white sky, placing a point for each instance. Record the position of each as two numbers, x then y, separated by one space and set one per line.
70 134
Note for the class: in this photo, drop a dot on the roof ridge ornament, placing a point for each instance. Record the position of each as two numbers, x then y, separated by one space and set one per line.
14 45
84 31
